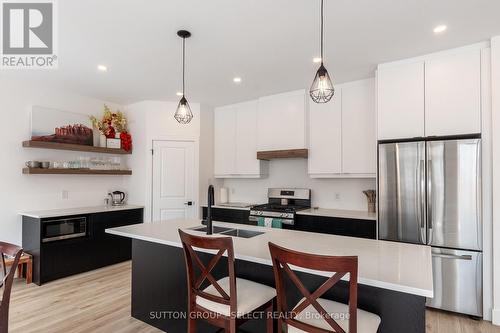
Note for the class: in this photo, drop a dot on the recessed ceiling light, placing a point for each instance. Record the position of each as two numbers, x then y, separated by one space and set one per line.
237 80
440 29
178 93
317 59
102 68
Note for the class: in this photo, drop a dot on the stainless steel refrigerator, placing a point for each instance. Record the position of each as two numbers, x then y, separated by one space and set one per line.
430 193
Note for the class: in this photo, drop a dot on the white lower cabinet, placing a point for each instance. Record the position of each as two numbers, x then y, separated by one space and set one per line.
342 140
235 140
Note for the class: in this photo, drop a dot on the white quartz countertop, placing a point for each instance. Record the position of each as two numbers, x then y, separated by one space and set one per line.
228 207
40 214
395 266
315 211
342 213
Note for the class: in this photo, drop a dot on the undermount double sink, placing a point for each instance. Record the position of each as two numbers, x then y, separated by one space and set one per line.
235 232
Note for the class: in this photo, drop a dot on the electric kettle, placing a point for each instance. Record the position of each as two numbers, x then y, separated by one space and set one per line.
117 198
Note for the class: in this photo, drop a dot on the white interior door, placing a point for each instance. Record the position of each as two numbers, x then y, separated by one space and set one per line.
173 180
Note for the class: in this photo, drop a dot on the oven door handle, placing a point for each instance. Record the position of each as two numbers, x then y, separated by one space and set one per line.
63 237
253 218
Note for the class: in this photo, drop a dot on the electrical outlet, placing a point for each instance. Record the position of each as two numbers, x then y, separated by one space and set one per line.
337 196
65 194
233 190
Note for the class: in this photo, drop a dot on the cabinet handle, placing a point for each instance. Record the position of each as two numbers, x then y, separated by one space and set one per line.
189 203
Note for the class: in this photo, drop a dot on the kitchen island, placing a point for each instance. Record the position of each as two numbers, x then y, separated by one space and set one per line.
394 278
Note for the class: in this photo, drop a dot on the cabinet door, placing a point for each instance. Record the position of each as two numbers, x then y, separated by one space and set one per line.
281 121
325 137
453 94
358 127
246 139
225 141
400 101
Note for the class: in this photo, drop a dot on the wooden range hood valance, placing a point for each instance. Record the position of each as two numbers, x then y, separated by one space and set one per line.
288 153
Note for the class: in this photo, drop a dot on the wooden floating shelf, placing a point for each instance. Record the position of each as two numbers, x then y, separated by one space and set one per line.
289 153
40 171
73 147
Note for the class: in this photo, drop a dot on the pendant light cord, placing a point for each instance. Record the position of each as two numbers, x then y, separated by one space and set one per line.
321 42
183 64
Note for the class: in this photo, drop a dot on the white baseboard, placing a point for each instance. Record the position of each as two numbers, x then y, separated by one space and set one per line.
495 317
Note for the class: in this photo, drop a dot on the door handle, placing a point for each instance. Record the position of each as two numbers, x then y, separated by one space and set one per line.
452 256
188 203
429 202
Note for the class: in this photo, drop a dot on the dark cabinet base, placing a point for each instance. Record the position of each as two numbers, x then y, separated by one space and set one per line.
54 260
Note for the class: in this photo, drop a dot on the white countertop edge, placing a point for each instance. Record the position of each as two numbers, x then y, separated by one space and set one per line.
368 282
227 207
40 214
340 213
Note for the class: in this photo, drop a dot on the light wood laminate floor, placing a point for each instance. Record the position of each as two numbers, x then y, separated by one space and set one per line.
99 301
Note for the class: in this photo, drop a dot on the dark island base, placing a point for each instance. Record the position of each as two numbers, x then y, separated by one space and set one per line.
159 293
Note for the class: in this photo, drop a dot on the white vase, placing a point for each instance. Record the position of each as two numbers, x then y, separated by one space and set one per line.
102 141
117 135
95 138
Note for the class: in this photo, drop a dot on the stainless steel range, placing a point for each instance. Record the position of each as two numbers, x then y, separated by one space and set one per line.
282 204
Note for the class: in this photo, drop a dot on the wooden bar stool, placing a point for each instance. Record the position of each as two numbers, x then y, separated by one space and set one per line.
313 314
14 252
24 260
227 302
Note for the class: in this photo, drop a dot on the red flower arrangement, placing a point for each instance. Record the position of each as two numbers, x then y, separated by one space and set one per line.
112 123
126 139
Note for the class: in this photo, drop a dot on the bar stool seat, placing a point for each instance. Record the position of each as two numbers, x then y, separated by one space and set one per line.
367 321
251 295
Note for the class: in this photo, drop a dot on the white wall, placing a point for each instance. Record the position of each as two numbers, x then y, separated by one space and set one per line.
33 192
207 154
149 121
495 81
293 173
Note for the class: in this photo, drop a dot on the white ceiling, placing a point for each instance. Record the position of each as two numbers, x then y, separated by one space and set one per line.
269 43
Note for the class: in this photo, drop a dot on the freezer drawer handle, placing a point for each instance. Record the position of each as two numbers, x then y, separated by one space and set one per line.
452 256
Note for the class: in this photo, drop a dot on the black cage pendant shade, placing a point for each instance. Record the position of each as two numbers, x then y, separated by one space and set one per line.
183 113
322 89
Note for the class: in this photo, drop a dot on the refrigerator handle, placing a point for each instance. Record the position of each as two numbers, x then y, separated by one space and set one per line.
452 256
421 199
429 201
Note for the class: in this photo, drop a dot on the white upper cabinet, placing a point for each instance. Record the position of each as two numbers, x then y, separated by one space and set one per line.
224 140
282 121
246 139
437 95
400 101
235 139
453 94
325 136
342 141
359 152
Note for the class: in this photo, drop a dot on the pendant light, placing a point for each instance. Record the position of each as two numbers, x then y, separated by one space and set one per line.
322 89
183 113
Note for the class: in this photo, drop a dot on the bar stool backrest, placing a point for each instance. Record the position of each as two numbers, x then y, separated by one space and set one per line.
6 279
196 285
340 266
